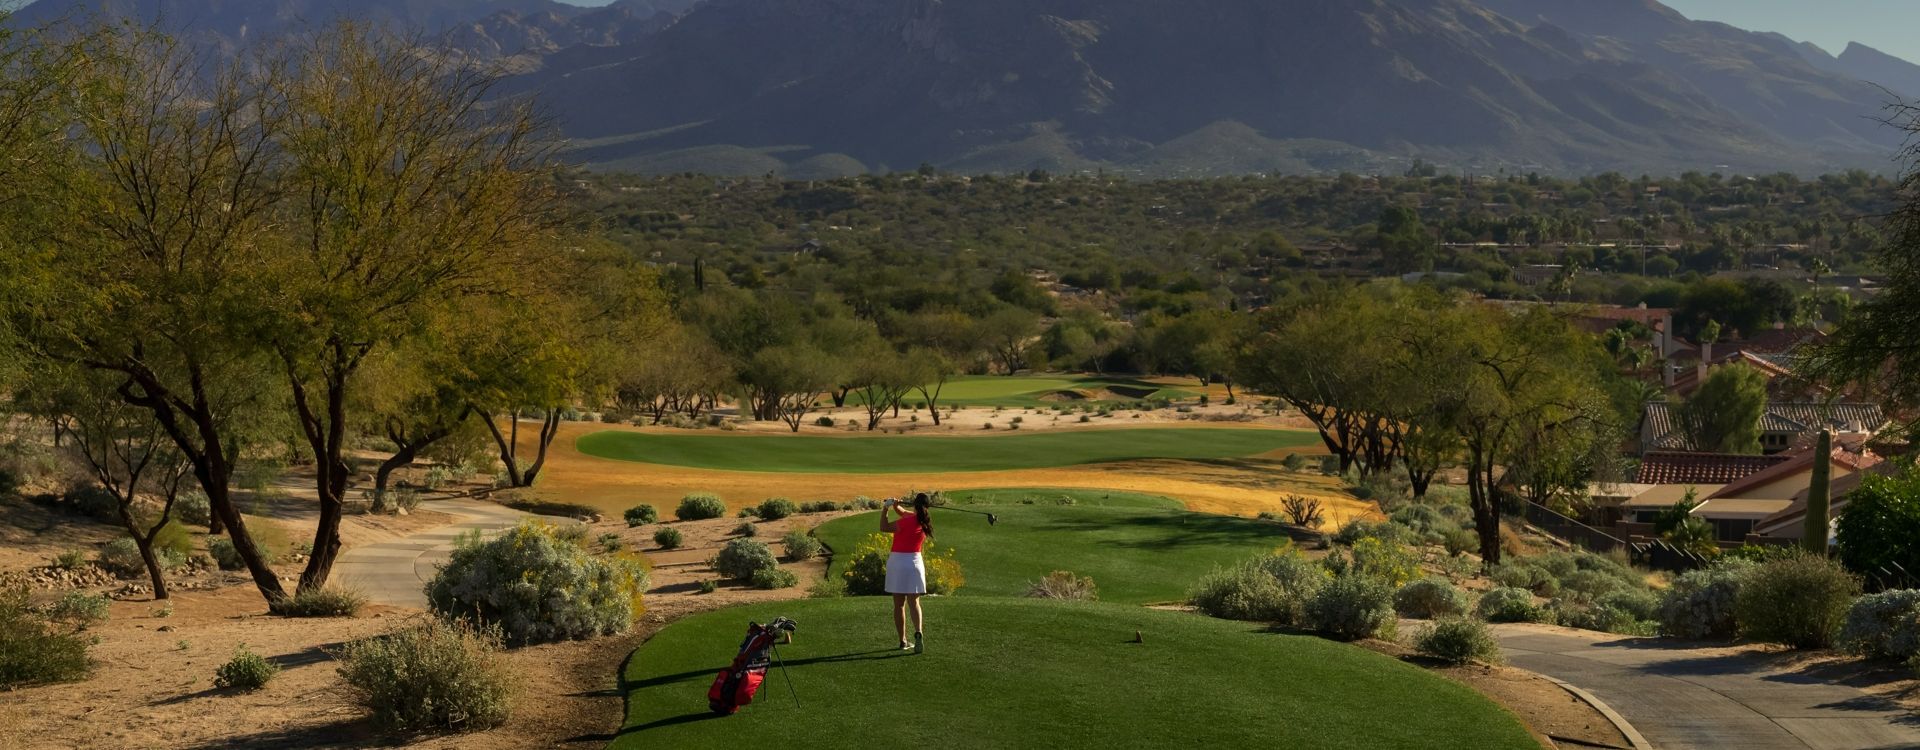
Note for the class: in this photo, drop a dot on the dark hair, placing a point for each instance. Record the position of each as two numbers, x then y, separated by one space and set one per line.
921 502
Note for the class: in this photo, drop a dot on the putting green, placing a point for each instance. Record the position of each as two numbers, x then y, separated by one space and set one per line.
1007 673
913 455
1138 549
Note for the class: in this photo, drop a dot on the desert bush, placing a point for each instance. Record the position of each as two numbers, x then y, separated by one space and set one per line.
1390 562
1798 601
1458 640
1294 462
1303 511
774 578
641 515
1358 529
831 587
800 545
819 506
537 588
572 533
329 601
1270 588
433 675
776 508
192 507
611 543
708 586
1702 604
1510 604
1062 584
824 422
866 503
576 511
668 538
748 512
746 529
698 507
1460 541
742 557
1429 598
1352 607
944 576
79 610
72 559
1608 616
121 557
95 502
32 650
1883 626
245 671
866 571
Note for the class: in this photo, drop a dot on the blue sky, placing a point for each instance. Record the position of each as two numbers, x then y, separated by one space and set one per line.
1886 25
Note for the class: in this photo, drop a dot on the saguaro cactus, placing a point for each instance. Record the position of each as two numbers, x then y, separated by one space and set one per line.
1819 496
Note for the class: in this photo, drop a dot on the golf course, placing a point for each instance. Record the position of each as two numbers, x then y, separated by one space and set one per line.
1049 390
788 454
1139 549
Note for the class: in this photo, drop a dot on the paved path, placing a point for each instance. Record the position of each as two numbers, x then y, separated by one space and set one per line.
396 572
1682 698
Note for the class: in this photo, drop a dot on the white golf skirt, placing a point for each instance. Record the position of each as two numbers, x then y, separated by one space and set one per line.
906 574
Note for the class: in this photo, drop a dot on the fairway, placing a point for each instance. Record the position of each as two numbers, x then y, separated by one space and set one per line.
913 455
1139 549
1046 390
1009 673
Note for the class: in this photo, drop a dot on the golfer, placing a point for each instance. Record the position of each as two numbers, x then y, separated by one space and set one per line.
906 572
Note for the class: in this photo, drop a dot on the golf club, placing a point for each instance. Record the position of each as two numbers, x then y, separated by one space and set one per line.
991 518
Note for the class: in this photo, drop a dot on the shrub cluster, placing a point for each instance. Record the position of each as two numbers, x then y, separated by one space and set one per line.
32 650
774 578
321 602
1883 626
245 671
78 610
776 508
668 537
1510 605
866 571
192 507
1430 598
641 515
1271 588
1062 584
433 675
820 506
1458 640
741 558
121 557
700 506
799 545
1700 605
1798 601
746 529
1351 607
536 588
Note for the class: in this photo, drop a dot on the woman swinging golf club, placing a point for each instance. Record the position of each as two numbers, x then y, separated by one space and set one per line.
906 573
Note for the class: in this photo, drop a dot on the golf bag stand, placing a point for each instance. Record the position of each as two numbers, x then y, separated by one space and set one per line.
736 685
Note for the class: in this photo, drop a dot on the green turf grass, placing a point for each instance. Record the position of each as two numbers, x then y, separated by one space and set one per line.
1139 549
1041 391
896 455
1015 673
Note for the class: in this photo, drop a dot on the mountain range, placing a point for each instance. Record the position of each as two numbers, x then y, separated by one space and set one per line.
810 88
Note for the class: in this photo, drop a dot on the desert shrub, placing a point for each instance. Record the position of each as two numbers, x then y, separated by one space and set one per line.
746 529
831 587
1510 604
1390 562
224 555
1429 598
1358 529
572 533
32 650
866 503
1701 604
575 511
1352 607
1270 588
742 557
192 507
641 515
800 545
748 512
1527 574
1798 601
72 559
1330 465
866 571
121 557
433 675
668 538
611 543
267 536
698 507
824 422
1294 462
1883 626
1609 616
537 588
79 610
776 508
95 502
774 578
1880 529
329 601
819 506
1460 541
245 671
1458 640
1305 512
1062 584
1592 584
708 586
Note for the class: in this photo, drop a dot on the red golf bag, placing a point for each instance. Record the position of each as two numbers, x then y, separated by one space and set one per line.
736 685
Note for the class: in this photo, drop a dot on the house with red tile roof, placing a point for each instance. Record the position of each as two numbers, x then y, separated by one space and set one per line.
1681 467
1738 508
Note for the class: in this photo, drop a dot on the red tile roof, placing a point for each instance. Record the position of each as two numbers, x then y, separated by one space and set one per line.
1677 467
1801 460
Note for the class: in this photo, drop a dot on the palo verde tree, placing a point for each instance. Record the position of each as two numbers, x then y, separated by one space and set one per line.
407 184
1723 414
1327 355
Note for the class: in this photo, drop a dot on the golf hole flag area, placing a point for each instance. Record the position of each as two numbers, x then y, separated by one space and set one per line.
1012 673
810 454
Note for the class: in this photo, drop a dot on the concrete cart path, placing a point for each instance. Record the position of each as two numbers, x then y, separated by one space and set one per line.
1681 696
396 572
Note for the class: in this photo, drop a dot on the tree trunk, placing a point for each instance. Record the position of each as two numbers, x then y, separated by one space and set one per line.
403 457
1486 508
549 429
326 435
505 444
152 562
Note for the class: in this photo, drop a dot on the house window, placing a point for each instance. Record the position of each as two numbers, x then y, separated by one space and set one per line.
1731 529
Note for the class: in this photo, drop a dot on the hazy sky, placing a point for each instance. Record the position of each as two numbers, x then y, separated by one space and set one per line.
1885 25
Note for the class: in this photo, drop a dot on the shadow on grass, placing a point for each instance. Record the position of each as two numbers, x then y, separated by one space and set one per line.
887 653
1171 531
